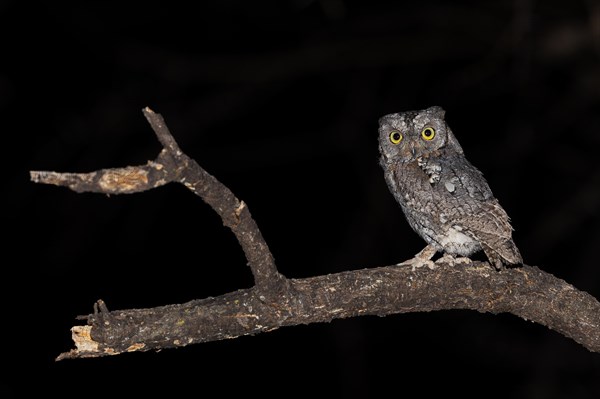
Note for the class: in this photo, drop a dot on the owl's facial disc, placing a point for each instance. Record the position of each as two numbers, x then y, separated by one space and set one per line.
404 137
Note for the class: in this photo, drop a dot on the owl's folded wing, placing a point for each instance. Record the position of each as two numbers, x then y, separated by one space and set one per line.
479 214
491 227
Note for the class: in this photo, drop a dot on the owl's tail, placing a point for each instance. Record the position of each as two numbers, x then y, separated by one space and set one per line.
503 253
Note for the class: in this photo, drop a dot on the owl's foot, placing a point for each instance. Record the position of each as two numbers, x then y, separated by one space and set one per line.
421 259
452 260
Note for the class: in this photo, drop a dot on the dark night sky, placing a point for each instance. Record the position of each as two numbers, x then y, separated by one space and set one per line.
280 100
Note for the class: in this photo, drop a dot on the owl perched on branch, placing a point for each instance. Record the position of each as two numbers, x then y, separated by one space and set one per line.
446 200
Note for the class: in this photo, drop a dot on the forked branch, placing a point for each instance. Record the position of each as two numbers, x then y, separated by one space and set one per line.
275 301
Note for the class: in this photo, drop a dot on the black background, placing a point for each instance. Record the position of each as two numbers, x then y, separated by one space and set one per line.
280 100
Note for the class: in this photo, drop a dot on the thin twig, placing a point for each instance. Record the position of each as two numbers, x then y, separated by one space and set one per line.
162 131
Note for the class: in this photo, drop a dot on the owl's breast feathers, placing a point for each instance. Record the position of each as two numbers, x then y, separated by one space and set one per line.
442 194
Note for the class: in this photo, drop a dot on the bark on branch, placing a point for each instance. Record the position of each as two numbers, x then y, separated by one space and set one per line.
275 301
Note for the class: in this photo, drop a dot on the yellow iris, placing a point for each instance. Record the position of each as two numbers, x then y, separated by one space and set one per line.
428 133
395 137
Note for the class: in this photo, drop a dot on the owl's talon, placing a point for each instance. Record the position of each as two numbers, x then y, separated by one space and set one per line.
429 263
421 259
452 260
462 259
417 263
447 259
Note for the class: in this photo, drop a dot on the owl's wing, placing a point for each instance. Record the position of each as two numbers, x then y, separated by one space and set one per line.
486 220
471 179
493 231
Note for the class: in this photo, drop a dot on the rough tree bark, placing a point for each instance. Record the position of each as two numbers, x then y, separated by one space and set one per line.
276 301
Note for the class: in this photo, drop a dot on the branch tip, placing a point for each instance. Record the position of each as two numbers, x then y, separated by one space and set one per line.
162 132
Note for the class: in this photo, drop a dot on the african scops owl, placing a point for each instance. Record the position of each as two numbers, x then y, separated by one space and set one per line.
446 200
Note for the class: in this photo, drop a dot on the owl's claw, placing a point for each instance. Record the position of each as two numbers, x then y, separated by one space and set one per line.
452 260
417 263
421 259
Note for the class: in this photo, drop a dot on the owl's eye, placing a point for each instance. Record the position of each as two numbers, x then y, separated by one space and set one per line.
395 137
428 133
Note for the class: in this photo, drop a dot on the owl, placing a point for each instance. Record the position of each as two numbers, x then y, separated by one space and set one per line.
445 199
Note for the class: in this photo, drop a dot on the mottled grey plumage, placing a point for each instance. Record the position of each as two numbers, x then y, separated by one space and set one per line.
446 200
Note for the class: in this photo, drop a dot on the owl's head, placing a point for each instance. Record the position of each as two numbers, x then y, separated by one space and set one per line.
406 136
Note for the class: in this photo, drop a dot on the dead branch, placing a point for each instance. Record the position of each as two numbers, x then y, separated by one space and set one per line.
275 301
172 165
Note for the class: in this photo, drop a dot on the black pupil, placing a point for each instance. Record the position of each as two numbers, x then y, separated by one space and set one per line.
428 132
395 136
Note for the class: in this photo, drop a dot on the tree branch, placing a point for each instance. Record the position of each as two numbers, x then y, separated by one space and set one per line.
172 165
275 301
526 292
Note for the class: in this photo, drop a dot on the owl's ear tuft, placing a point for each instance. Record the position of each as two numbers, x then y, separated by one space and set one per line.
452 141
438 111
387 119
